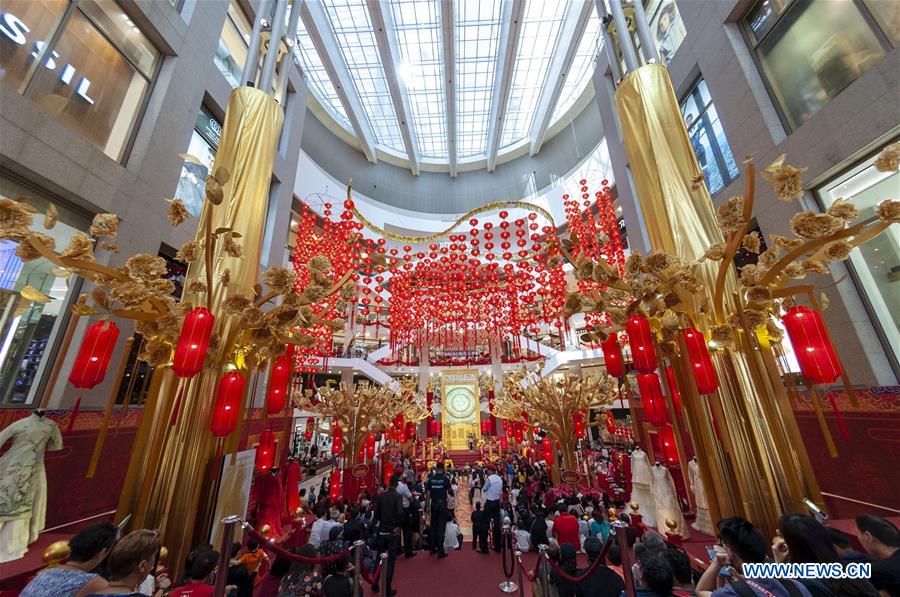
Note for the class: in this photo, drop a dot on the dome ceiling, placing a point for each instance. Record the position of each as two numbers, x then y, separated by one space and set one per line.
447 82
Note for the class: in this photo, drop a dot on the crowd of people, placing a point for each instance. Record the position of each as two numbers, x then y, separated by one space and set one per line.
416 510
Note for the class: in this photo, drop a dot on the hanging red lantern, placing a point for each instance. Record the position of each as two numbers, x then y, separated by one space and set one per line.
701 362
265 451
334 484
504 443
410 433
485 427
816 354
228 404
652 398
280 377
337 439
578 424
640 337
548 451
669 447
388 471
612 355
310 425
94 355
370 446
193 342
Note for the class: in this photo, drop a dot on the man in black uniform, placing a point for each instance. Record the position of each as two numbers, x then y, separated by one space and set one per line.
480 525
438 488
388 514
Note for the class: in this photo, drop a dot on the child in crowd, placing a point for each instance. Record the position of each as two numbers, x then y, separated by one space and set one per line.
253 557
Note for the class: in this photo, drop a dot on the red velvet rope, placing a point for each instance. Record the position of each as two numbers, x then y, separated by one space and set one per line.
576 579
372 580
531 576
281 552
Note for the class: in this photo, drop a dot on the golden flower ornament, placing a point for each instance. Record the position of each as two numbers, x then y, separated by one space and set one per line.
889 158
785 180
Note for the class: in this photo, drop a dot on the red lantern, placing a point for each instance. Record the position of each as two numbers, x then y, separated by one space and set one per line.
94 355
816 354
652 398
337 439
485 427
548 451
610 424
578 423
504 443
370 446
612 355
388 471
310 425
193 342
280 377
669 447
265 451
701 363
334 487
410 431
227 405
640 337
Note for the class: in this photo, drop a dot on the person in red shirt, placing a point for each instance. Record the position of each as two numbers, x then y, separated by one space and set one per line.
565 528
201 570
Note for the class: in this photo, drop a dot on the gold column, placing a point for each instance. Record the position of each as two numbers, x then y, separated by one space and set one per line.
170 481
756 470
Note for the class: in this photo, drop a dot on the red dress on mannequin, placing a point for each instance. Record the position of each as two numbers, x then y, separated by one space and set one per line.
291 477
268 506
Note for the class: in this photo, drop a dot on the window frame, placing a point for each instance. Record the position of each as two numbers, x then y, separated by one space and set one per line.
893 357
73 6
753 46
727 179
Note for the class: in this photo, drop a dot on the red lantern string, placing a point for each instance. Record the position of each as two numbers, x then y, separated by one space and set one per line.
816 355
279 378
612 355
227 405
193 342
701 363
337 439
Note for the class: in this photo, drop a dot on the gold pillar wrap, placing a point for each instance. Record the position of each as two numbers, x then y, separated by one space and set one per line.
172 479
757 465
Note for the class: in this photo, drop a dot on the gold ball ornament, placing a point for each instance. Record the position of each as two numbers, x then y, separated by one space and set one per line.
264 530
163 554
671 525
56 553
634 507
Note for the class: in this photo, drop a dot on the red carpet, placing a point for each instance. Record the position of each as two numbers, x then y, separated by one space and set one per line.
461 458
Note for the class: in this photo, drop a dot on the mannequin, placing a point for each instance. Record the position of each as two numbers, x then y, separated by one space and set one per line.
23 482
641 480
268 505
291 477
703 522
666 499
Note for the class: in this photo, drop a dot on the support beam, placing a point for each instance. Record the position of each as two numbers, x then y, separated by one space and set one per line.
319 27
510 34
448 35
570 33
383 27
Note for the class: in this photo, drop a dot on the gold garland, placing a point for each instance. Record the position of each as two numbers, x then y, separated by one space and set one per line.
496 205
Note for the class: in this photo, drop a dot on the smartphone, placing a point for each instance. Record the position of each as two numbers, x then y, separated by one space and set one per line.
711 552
725 572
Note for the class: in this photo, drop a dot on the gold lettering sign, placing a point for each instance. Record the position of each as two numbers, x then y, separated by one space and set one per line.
460 410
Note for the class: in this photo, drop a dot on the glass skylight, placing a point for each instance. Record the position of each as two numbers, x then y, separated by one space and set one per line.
416 29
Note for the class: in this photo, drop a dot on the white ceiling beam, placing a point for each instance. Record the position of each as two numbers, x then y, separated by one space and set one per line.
319 28
570 33
510 33
383 26
448 27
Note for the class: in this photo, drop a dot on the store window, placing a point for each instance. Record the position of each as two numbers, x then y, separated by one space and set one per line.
667 27
708 138
204 142
876 264
94 79
33 296
233 44
809 51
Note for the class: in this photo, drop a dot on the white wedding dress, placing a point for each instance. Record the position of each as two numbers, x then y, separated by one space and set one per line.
703 521
641 480
23 483
667 504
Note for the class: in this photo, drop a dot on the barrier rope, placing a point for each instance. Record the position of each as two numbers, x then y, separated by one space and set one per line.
591 569
531 576
372 580
268 545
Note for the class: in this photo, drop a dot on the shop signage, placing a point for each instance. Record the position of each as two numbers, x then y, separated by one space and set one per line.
569 476
360 470
13 29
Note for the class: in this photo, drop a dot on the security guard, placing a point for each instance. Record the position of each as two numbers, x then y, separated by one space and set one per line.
438 488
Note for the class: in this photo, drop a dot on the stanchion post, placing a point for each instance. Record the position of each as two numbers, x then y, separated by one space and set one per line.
622 540
507 586
545 580
357 563
382 582
521 579
225 554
